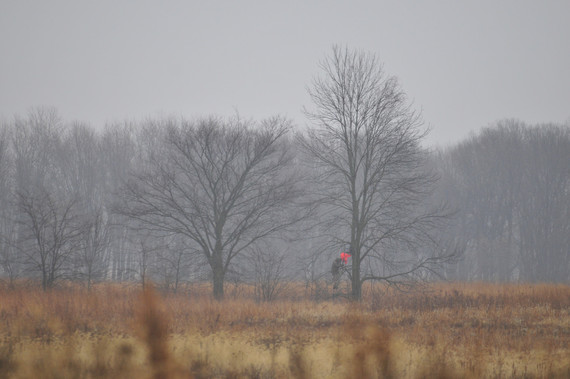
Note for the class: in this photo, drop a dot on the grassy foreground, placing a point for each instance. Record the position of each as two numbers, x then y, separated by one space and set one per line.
446 330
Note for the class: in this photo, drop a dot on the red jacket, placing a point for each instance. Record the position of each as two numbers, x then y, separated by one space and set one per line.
344 257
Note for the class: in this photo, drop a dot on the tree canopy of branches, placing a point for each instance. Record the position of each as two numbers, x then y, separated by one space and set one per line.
222 185
365 144
51 229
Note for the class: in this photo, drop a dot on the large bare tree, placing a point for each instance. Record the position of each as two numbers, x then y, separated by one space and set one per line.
225 185
365 143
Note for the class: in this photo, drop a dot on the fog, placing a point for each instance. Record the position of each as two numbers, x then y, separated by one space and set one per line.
464 65
90 206
254 143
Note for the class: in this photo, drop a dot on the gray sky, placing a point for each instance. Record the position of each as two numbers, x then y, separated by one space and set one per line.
465 64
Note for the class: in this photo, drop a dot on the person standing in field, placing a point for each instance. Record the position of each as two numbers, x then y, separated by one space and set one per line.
338 267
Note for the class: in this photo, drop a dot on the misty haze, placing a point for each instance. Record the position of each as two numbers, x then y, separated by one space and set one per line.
272 191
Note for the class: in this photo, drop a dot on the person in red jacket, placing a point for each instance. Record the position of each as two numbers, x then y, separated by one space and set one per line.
338 268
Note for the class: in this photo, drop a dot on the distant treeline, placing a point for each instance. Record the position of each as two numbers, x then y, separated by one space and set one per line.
73 206
510 185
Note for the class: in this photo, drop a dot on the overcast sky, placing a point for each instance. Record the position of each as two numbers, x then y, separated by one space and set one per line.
464 64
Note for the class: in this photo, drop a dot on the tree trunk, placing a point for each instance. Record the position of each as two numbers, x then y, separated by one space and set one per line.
356 285
217 265
218 282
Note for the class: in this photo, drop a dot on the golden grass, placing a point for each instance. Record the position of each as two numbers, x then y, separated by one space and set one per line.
445 330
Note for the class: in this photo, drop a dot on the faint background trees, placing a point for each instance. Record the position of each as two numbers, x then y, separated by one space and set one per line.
511 186
92 255
57 189
8 255
47 214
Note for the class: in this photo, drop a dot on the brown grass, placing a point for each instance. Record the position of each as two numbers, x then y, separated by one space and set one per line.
445 330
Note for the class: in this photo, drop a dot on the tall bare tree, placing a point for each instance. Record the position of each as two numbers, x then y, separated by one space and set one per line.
365 143
223 185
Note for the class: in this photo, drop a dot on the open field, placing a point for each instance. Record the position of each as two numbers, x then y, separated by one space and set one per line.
446 330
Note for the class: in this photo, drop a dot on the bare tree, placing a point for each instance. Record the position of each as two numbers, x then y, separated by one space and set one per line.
371 169
94 248
146 252
119 156
175 263
224 186
8 254
46 211
49 234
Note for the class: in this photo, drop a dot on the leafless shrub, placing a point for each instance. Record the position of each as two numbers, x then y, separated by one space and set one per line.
269 273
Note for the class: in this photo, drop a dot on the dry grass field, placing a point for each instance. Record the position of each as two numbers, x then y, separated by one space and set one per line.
443 330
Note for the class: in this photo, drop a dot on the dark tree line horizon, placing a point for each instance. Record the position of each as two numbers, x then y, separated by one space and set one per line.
510 184
229 200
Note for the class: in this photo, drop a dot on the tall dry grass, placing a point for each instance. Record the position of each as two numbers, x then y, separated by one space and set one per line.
444 330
